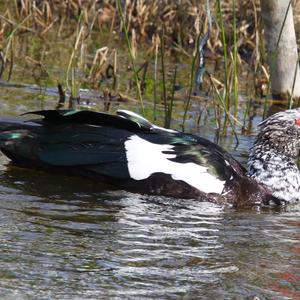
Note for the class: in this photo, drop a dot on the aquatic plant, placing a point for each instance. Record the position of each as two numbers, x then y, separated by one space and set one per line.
159 36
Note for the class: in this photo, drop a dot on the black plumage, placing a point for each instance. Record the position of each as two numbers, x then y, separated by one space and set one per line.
92 144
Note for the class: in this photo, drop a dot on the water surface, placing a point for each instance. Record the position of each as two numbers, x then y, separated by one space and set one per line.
64 238
70 238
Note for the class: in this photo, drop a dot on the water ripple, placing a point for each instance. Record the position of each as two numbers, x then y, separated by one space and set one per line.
79 243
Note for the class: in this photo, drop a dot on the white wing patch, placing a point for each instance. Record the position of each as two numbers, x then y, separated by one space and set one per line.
145 158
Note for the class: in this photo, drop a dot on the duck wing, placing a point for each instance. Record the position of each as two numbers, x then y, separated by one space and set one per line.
119 147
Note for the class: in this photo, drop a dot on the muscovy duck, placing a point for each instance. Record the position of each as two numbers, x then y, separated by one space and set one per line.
127 151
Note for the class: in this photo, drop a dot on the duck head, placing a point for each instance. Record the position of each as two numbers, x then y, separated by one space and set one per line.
280 132
272 159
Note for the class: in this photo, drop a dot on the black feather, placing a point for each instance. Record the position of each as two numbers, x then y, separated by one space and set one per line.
86 117
93 144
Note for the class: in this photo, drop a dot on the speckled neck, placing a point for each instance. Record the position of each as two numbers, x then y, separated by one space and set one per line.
272 159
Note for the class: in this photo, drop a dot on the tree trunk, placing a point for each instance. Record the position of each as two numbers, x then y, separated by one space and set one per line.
283 60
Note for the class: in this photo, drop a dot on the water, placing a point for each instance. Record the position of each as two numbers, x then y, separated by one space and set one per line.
65 238
70 238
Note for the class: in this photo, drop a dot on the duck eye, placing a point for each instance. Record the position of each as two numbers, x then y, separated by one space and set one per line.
297 122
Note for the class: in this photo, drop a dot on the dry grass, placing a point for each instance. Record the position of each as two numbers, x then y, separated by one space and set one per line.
181 21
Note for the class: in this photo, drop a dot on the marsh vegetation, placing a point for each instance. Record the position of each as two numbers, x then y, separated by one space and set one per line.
142 54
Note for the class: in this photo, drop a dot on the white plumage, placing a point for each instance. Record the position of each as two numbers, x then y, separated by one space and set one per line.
146 158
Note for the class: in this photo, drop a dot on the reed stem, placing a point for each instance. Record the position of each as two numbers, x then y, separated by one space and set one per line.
155 83
192 74
227 112
235 61
136 78
73 58
164 91
170 110
225 57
